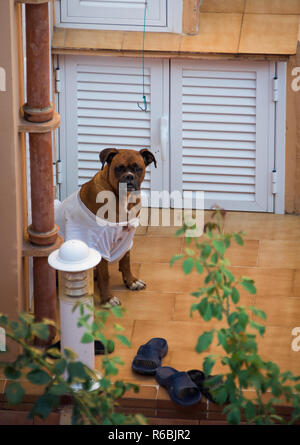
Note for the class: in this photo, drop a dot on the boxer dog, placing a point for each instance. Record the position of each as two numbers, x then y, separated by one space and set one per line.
78 216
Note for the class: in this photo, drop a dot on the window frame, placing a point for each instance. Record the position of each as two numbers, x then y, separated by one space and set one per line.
174 21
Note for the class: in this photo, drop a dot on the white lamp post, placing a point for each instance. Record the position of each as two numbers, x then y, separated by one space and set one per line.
75 261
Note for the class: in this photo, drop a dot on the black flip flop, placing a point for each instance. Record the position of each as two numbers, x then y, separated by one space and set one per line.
179 385
149 355
199 378
99 348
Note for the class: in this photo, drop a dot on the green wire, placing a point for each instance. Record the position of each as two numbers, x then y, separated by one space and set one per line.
143 58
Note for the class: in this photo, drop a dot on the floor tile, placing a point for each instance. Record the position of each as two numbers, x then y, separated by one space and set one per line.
143 305
116 280
275 253
261 226
180 335
183 303
276 345
296 284
281 311
245 255
162 277
153 250
166 222
112 322
268 281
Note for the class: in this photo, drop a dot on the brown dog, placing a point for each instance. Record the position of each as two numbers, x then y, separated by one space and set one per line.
119 167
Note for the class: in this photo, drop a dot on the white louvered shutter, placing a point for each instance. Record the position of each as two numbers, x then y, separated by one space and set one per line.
100 98
114 12
220 141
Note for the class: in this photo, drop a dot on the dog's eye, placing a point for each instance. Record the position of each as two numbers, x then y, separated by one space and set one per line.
120 169
135 168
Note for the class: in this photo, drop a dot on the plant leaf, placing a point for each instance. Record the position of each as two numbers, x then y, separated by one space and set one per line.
208 364
175 258
187 265
258 312
238 239
199 266
219 246
14 393
11 373
124 340
249 286
38 377
87 338
235 295
204 341
234 416
40 330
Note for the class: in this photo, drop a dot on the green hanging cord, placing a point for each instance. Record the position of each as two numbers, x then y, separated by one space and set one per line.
144 97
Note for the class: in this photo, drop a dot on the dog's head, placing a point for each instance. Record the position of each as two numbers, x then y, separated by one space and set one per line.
126 166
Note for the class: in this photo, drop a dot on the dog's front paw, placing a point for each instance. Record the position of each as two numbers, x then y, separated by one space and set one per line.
136 285
114 301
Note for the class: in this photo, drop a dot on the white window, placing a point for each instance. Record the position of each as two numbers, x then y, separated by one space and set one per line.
161 15
221 116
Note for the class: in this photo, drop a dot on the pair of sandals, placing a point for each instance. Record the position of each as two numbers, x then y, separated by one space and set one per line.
184 388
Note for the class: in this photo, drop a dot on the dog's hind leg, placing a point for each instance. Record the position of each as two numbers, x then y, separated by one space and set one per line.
103 284
129 279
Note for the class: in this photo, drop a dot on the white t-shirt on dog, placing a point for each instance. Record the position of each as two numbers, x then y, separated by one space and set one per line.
76 221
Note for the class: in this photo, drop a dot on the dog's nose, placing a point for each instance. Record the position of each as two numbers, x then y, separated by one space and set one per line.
129 177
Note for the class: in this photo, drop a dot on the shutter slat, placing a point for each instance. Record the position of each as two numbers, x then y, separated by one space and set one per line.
113 122
219 126
219 100
219 170
219 153
111 114
219 179
206 143
219 92
110 105
219 187
218 135
105 96
218 74
222 82
108 78
218 109
136 88
215 117
229 162
113 131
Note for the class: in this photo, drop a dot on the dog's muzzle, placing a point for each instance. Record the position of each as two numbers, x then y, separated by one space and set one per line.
130 181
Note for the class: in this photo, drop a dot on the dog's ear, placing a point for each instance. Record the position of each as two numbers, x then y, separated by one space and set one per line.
148 157
106 155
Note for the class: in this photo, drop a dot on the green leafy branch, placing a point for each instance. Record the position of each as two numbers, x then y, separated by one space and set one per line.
61 374
219 298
